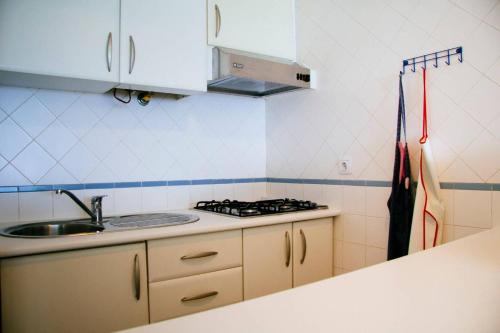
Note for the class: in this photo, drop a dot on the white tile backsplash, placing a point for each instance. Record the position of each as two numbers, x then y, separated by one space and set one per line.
472 209
354 228
35 206
9 207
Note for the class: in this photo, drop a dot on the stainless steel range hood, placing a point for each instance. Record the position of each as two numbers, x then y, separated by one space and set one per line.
249 75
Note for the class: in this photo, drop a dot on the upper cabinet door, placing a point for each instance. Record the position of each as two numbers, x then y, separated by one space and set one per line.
163 45
265 27
61 38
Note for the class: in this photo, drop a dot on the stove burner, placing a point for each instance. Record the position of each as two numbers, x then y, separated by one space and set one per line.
263 207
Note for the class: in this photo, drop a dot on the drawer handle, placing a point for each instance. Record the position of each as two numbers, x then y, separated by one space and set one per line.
199 255
200 296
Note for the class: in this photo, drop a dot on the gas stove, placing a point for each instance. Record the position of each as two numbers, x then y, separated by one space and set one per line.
257 208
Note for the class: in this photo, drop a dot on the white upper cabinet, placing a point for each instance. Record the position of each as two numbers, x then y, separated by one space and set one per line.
163 45
265 27
43 43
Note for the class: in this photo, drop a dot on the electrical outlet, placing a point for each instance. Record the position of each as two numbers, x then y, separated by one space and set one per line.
345 166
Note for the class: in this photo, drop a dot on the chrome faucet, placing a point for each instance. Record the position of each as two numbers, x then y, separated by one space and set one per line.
95 212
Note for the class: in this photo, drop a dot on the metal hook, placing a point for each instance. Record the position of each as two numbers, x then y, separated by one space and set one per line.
425 63
448 61
436 58
405 63
460 54
413 69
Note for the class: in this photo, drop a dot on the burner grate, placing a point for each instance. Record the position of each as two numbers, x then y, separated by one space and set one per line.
263 207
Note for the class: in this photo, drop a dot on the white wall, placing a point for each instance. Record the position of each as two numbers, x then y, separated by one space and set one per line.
357 48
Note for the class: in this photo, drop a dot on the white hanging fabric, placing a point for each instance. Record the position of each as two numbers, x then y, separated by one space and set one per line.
429 210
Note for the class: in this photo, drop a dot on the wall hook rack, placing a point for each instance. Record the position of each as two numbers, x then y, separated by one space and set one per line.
433 57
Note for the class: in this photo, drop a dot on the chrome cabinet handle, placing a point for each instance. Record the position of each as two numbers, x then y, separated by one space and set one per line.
132 55
137 277
109 51
304 246
218 21
199 255
199 296
288 249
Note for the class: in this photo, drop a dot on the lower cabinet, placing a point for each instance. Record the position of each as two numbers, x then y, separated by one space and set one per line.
177 297
312 251
278 257
267 259
106 289
94 290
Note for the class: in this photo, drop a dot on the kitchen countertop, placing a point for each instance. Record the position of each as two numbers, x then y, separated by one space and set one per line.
209 222
452 288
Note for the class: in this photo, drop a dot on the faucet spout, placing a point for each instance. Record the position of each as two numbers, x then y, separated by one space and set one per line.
79 203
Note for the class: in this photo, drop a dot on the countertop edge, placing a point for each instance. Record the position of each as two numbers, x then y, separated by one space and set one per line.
208 223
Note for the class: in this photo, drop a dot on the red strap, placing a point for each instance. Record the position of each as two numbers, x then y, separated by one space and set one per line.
423 139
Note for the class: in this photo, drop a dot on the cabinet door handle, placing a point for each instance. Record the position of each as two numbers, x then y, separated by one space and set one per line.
137 277
288 249
304 246
132 55
218 21
199 296
109 51
199 255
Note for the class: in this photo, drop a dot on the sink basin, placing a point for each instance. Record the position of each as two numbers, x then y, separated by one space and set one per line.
53 229
87 227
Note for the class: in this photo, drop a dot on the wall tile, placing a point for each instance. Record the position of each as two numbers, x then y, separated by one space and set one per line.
353 256
35 206
12 97
12 139
496 209
355 228
472 209
377 231
376 201
461 232
178 197
127 200
375 255
354 200
9 207
154 199
33 117
33 162
200 193
448 198
333 195
337 253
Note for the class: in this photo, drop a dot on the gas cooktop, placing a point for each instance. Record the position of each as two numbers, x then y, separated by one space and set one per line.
257 208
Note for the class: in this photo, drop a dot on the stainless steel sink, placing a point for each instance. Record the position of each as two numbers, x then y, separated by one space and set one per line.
88 227
53 229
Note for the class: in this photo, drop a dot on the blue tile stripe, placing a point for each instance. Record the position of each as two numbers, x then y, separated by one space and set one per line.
381 183
310 181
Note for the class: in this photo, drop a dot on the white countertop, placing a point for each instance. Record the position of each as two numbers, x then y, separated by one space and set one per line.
209 222
452 288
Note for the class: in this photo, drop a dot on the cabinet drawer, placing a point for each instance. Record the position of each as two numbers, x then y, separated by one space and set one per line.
183 256
177 297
